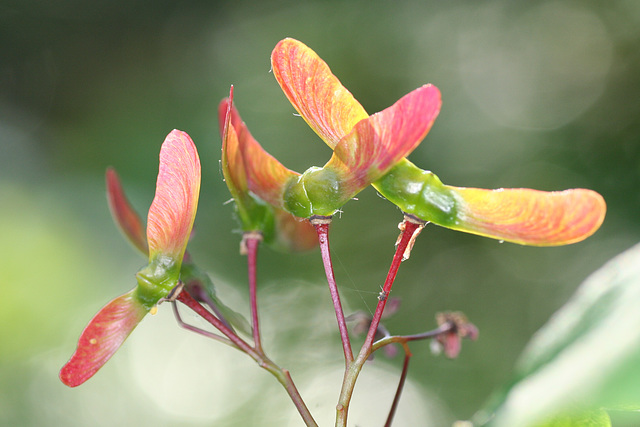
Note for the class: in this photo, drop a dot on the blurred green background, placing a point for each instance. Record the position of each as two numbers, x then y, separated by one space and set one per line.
535 94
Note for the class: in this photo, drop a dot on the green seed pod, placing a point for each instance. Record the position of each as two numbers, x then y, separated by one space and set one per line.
418 192
316 192
156 280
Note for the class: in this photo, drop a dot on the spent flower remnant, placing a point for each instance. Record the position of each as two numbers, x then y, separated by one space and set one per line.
169 225
451 341
523 216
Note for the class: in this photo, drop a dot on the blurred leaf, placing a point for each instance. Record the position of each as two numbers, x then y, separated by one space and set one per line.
586 356
598 418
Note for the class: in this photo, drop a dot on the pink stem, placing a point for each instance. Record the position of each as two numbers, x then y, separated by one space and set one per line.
252 256
282 375
403 339
403 377
322 228
185 298
410 230
197 330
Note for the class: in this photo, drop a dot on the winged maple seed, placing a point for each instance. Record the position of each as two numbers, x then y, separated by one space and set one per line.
169 226
523 216
258 218
364 155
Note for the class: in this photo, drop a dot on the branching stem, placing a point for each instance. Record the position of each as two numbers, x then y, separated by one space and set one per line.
404 341
197 330
410 228
282 375
406 238
185 298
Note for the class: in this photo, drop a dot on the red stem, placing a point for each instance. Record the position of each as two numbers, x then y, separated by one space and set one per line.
252 256
197 330
403 377
405 238
194 305
282 375
404 340
410 229
322 228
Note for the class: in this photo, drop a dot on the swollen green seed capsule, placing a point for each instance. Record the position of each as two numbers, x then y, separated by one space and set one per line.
418 192
156 280
316 192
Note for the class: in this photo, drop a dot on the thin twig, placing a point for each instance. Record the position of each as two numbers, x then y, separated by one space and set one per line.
185 298
321 225
403 377
401 339
264 362
197 330
252 241
403 247
203 296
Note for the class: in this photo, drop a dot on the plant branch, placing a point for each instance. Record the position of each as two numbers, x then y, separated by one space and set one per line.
184 297
197 290
402 339
282 375
410 229
403 377
321 225
251 242
197 330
